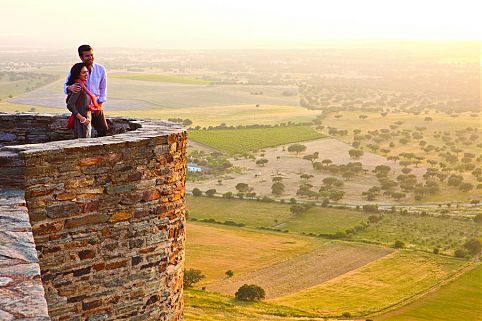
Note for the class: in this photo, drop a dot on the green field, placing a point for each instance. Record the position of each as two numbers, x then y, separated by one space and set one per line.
261 214
459 300
325 220
244 140
376 286
202 305
228 114
250 213
421 232
161 78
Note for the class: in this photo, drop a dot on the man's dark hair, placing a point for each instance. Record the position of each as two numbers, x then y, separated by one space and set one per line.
83 48
75 73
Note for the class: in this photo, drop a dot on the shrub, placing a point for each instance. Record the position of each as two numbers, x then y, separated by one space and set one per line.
473 246
192 276
229 273
460 253
250 292
210 192
346 314
196 192
398 244
371 208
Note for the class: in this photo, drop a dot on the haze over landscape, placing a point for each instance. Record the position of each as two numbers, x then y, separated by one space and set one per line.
334 152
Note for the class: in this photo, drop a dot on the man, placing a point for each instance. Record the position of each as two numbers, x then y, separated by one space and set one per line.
96 83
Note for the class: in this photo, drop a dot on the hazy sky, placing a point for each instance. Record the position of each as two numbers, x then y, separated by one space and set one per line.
232 24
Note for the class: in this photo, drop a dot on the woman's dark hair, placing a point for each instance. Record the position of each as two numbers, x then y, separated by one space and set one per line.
75 73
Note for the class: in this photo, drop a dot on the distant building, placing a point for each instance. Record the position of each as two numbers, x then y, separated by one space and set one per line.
191 167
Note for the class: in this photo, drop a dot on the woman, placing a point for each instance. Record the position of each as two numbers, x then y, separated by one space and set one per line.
81 103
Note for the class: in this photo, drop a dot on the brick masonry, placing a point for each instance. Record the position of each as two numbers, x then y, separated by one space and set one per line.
107 215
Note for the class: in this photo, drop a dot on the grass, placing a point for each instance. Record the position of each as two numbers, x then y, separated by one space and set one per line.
458 300
244 140
421 232
376 286
200 116
216 249
9 107
250 213
329 261
161 78
325 220
229 114
202 305
260 214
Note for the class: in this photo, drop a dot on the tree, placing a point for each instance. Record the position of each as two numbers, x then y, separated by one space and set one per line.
465 187
296 148
277 188
250 292
228 195
355 153
297 209
192 276
210 192
473 246
398 244
336 195
196 192
460 253
261 161
242 187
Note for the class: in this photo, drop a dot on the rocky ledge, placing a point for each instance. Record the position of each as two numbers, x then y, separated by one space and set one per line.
21 290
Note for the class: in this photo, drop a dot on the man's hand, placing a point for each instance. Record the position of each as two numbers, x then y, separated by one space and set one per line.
75 88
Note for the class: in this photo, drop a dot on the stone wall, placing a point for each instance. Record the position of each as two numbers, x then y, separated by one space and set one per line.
107 216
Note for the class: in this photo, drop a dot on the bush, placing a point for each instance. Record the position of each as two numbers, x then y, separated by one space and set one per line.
192 276
473 246
371 208
229 273
210 192
346 314
460 253
196 192
436 250
250 292
398 244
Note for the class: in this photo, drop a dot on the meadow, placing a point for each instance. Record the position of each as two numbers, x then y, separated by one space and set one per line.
421 232
160 78
441 306
240 141
274 215
376 286
203 305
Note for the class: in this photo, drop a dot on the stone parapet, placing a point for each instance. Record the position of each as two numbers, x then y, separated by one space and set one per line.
107 215
21 290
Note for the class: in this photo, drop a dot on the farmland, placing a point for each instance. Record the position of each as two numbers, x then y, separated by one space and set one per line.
441 305
421 232
329 261
199 304
166 78
248 139
216 249
260 214
379 284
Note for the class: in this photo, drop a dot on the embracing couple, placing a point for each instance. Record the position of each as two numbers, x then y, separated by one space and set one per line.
86 87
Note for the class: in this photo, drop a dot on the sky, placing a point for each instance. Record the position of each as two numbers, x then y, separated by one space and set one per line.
227 24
